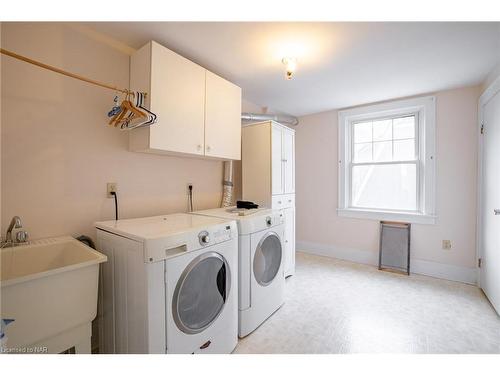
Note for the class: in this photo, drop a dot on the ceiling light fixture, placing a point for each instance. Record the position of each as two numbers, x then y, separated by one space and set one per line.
290 65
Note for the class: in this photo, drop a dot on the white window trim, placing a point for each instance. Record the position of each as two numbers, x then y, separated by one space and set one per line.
425 108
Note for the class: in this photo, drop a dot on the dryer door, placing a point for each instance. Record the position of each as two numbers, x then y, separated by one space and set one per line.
267 259
201 292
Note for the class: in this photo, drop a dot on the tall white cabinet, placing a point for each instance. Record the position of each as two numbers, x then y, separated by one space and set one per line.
199 113
268 175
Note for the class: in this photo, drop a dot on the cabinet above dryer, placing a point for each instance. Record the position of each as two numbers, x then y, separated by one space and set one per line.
199 113
268 164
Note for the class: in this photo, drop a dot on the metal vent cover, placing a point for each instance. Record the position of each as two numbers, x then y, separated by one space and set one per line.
394 249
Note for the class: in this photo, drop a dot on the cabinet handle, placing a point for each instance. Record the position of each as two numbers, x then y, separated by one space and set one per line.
279 202
198 147
289 201
208 148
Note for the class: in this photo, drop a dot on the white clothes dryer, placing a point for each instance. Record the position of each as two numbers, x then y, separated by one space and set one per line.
261 263
170 285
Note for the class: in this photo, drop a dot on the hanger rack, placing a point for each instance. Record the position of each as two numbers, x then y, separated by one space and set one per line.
63 72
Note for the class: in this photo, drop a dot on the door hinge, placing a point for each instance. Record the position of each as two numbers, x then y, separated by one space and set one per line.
479 262
482 127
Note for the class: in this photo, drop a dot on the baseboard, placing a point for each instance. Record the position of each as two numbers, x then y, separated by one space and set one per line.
422 267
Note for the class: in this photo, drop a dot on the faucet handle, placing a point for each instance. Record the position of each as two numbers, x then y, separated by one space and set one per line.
15 232
22 236
15 222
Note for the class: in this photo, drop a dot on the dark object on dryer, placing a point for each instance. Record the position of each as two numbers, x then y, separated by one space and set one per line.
246 204
394 246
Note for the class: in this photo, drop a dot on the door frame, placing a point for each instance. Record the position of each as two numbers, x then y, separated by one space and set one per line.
485 97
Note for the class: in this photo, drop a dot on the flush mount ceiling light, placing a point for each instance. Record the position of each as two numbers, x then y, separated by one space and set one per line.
290 66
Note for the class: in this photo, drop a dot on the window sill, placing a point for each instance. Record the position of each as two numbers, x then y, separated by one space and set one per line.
387 215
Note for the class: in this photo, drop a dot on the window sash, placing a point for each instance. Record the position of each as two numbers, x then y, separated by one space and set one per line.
417 181
416 130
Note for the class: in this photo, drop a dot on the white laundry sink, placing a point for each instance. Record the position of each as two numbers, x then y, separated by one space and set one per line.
49 288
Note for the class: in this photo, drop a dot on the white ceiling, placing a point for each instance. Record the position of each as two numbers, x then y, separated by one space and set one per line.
339 64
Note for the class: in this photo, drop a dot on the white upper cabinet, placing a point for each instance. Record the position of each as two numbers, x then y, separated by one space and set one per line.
283 160
198 111
178 99
277 160
268 164
222 118
288 146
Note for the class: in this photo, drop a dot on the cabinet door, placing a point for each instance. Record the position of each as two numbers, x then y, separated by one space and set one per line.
289 241
276 160
288 161
222 118
178 99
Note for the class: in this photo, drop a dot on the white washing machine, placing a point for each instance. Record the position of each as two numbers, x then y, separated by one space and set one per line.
261 263
170 285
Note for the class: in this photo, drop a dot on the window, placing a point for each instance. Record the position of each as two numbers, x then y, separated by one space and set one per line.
386 161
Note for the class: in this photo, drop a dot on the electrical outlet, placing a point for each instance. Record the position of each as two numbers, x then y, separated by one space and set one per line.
446 244
111 187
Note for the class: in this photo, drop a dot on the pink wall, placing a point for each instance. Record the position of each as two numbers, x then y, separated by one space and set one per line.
316 158
58 151
1 233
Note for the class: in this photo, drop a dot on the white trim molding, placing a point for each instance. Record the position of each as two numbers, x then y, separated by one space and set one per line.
424 109
407 217
418 266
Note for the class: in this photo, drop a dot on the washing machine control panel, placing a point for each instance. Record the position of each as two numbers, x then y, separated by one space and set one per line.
204 238
217 236
223 234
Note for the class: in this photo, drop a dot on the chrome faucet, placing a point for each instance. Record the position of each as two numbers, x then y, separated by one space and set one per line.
14 223
21 236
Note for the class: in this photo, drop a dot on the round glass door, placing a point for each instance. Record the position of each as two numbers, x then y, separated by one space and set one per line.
267 259
201 292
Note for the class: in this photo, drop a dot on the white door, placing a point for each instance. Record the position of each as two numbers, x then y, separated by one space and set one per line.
222 118
277 160
267 259
201 293
178 99
490 252
289 241
201 299
288 161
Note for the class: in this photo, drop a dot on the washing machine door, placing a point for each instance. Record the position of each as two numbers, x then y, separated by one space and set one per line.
267 259
201 292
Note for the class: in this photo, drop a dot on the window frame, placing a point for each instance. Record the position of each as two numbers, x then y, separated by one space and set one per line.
415 161
425 111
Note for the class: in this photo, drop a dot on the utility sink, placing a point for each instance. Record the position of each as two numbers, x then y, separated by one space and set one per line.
49 289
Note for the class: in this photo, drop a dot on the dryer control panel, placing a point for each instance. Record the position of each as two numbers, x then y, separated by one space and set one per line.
276 218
